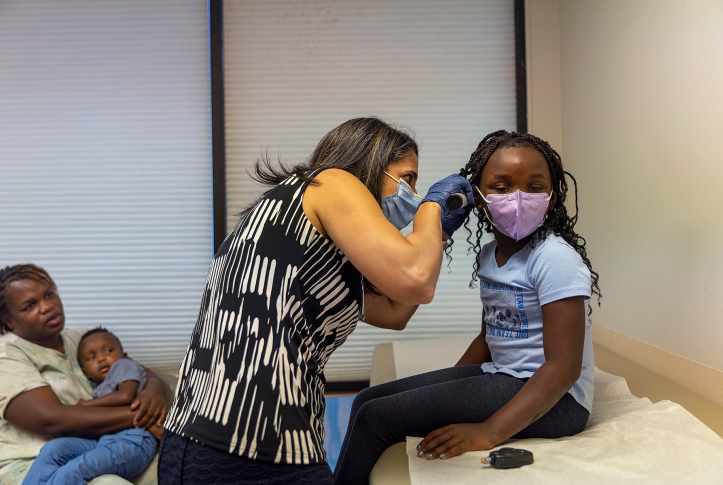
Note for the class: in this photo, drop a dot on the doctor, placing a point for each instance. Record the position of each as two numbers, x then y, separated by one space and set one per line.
319 251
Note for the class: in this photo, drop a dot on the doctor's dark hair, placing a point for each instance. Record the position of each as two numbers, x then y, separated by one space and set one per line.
364 147
11 274
558 221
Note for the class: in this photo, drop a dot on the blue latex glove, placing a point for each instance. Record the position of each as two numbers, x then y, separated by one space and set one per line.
440 191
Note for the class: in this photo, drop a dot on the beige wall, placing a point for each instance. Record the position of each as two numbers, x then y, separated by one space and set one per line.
641 89
542 39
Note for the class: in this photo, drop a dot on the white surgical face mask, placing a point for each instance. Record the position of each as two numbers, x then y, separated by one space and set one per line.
401 207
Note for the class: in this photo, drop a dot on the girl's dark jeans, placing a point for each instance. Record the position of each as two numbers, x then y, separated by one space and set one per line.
386 414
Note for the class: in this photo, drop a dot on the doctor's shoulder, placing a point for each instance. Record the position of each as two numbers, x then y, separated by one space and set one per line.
331 197
336 188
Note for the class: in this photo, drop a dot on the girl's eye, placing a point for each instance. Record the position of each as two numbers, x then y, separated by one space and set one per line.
29 307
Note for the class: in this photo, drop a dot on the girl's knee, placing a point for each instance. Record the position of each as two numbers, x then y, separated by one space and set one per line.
371 413
363 397
371 393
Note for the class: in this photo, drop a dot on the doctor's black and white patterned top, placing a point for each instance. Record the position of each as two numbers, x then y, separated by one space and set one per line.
278 300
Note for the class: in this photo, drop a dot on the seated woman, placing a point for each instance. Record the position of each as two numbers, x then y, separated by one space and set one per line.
42 380
529 373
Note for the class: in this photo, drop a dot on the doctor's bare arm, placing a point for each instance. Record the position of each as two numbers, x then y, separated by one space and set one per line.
405 269
382 312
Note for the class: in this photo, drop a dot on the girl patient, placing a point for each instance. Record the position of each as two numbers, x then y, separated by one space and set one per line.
529 373
126 453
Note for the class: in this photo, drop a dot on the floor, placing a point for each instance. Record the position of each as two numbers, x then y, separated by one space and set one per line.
336 419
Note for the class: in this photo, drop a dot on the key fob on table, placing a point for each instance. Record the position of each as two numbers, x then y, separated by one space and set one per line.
508 458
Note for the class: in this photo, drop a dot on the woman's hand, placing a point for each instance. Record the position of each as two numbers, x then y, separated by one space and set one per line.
455 439
440 191
156 431
150 409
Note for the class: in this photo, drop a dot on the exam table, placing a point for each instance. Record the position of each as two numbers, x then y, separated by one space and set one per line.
628 439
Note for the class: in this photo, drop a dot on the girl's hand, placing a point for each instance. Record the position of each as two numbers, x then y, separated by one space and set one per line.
151 409
81 402
455 439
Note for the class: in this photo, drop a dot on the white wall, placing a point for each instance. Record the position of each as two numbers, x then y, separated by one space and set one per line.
642 112
542 43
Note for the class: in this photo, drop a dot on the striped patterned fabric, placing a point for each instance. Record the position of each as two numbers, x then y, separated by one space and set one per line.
279 299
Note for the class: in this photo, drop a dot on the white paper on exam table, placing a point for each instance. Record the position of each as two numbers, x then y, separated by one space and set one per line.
628 440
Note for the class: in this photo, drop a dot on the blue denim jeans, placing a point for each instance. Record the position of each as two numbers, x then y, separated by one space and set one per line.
78 460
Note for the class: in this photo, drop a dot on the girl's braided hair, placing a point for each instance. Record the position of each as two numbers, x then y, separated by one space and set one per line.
18 272
557 221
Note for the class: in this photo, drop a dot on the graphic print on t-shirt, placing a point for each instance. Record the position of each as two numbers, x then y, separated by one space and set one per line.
505 314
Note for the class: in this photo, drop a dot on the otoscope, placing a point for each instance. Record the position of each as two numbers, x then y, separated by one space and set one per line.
456 201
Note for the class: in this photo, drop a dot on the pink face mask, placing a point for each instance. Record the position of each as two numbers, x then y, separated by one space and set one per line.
518 214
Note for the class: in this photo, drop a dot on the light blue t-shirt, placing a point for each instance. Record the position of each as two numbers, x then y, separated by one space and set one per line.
513 296
121 371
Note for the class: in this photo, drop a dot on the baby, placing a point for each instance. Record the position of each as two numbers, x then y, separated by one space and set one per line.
126 453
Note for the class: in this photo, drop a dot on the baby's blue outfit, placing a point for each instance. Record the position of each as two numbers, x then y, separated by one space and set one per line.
513 296
74 461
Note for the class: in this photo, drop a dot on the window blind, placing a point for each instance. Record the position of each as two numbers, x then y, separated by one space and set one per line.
294 71
105 161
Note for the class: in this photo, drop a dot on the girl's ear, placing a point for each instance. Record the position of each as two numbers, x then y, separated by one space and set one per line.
478 202
553 199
